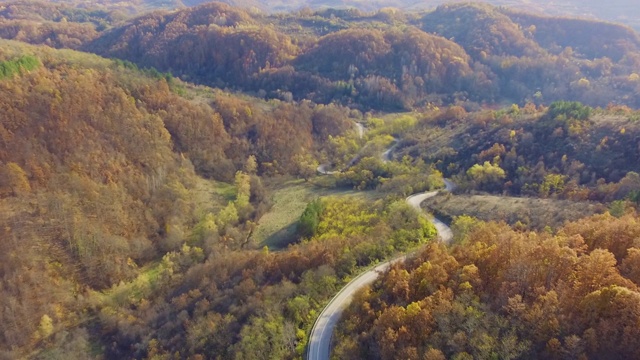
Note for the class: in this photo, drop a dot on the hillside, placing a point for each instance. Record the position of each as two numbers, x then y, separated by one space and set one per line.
85 175
492 296
557 283
520 212
588 39
129 197
481 30
465 53
198 181
621 11
469 54
587 153
102 187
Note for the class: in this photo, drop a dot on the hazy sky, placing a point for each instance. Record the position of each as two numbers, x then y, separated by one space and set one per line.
623 11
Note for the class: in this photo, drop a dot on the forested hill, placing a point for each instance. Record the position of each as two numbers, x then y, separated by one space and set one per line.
102 173
387 60
623 11
504 294
117 240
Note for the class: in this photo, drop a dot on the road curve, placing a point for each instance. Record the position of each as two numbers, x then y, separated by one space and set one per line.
323 169
386 156
444 231
320 339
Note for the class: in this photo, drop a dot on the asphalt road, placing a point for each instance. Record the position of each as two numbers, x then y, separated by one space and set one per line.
320 339
444 231
359 129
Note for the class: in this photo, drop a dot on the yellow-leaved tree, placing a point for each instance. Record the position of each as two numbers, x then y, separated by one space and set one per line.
13 179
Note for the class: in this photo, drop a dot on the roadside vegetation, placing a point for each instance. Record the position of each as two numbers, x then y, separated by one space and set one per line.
520 212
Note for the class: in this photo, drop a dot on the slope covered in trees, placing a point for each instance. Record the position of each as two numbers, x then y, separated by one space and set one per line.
589 39
506 294
481 29
616 10
52 24
548 58
212 43
85 174
587 153
114 243
244 305
461 53
564 291
102 195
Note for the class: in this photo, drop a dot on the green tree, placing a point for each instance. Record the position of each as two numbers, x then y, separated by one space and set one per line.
617 208
305 165
265 338
243 195
462 226
487 176
552 184
310 218
569 109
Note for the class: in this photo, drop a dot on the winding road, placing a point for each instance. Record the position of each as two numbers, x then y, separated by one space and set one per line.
444 231
320 339
323 169
386 156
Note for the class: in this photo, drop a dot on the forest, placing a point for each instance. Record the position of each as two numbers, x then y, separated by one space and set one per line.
507 294
465 54
125 204
198 183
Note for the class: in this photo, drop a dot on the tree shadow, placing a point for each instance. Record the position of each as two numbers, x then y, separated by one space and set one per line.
282 238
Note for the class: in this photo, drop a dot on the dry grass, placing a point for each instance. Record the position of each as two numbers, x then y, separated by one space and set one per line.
277 228
531 212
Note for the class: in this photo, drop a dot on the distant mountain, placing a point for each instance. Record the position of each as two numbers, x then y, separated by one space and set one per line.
390 59
622 11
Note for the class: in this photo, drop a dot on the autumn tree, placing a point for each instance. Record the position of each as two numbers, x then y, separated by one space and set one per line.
13 179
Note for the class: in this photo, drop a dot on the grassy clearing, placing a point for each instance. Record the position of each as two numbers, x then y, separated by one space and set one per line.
533 213
211 196
276 229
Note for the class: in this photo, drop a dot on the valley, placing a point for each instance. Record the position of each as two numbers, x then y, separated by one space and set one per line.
217 181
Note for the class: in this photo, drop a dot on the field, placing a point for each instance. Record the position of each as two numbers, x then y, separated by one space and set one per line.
530 212
277 227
